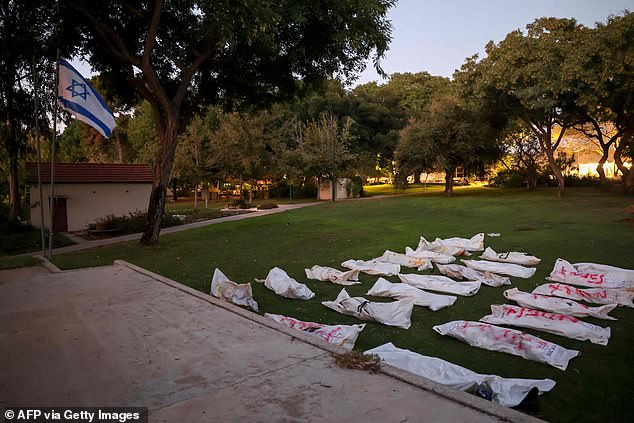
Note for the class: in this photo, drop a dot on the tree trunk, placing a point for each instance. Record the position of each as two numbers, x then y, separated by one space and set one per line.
195 192
550 153
449 182
627 175
14 187
531 179
174 188
333 188
161 169
119 147
601 171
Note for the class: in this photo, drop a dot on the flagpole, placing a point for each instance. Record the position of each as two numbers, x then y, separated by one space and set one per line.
39 159
52 203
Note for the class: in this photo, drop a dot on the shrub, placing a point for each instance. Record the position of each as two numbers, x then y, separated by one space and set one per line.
15 227
355 187
516 179
581 181
267 206
132 223
281 189
508 178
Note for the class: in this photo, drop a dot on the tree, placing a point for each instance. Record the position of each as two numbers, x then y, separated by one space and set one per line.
378 118
416 90
448 133
177 55
244 147
324 148
194 160
602 133
142 135
523 150
534 75
613 44
25 30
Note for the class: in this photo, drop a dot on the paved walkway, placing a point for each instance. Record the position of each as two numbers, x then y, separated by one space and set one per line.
82 244
122 336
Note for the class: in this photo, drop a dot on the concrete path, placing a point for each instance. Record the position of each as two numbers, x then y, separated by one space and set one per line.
82 244
122 336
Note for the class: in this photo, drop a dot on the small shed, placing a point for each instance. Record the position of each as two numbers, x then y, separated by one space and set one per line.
85 192
342 185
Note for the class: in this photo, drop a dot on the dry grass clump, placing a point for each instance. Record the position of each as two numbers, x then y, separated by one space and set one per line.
358 360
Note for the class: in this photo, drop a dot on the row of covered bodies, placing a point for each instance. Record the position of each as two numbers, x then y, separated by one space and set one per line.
550 307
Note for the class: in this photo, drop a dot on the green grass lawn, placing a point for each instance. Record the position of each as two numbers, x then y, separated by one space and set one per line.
15 262
186 206
583 226
389 189
28 240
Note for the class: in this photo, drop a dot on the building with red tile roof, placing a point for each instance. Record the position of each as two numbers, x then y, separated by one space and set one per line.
85 192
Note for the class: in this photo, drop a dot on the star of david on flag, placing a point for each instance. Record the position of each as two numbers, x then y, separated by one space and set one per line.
80 99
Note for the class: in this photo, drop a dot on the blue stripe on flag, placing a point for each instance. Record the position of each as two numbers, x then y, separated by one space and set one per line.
64 63
82 111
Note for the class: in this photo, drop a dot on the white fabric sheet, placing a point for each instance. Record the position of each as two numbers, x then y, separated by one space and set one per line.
438 246
459 272
401 291
501 268
373 267
328 274
279 282
475 243
430 255
506 392
615 272
620 296
565 272
511 341
343 336
238 294
558 305
510 257
558 324
395 313
404 260
441 284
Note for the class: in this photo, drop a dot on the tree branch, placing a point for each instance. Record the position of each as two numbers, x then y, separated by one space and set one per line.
179 64
150 40
561 135
114 44
189 73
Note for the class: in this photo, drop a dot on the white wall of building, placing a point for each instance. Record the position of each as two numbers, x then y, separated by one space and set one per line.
325 189
87 202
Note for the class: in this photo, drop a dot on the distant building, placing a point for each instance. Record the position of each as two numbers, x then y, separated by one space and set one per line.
586 153
343 189
587 160
85 192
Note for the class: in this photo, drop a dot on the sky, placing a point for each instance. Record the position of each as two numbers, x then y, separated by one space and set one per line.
437 35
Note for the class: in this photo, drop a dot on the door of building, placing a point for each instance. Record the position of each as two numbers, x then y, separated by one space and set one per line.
60 222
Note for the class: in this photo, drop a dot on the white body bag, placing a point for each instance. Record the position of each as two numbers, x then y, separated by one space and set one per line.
396 313
343 336
511 341
558 324
506 392
401 291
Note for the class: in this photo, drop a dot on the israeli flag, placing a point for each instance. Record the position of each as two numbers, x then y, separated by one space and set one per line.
80 99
